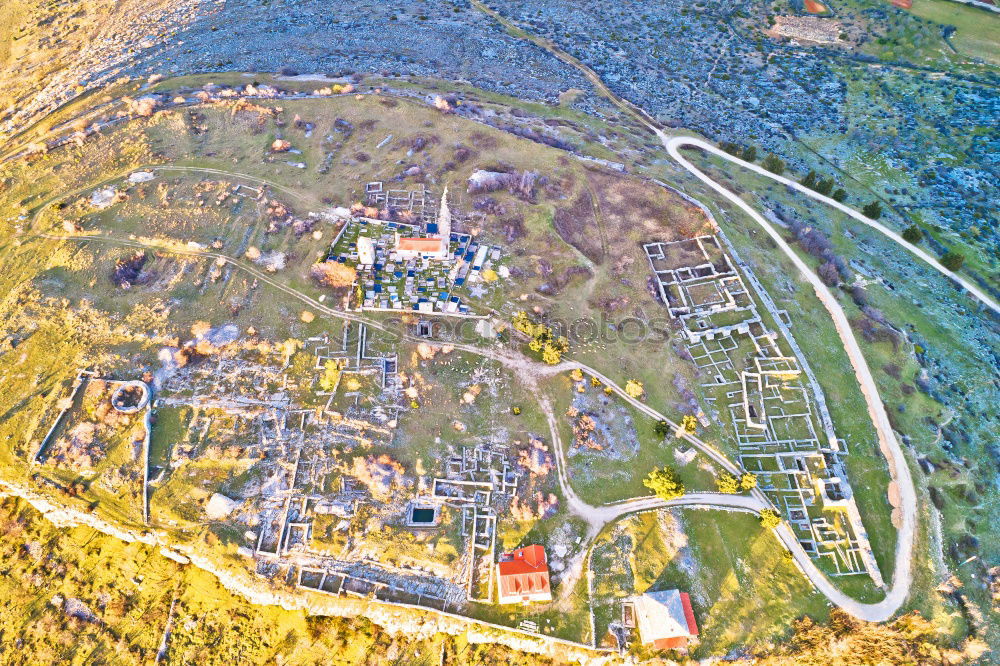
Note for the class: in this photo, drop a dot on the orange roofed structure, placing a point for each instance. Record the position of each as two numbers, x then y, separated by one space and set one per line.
421 247
523 576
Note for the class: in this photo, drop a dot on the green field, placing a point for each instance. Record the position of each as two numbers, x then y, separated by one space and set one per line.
744 591
976 29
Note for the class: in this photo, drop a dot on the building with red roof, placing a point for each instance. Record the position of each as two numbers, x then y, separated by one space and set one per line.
665 619
430 247
523 576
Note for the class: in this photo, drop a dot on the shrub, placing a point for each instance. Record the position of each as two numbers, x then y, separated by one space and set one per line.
551 354
829 274
333 274
774 164
634 388
872 210
727 483
912 234
769 519
952 260
689 424
730 147
331 374
664 482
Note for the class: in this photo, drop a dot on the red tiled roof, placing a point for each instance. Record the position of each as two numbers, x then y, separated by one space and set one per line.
670 643
689 614
533 556
523 572
419 244
523 584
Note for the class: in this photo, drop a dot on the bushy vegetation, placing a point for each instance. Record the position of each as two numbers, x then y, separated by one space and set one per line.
664 483
541 340
769 519
909 639
333 274
731 484
952 260
774 164
912 234
872 210
634 388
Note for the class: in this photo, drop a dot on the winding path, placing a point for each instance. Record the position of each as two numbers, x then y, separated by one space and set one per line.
674 144
899 470
888 443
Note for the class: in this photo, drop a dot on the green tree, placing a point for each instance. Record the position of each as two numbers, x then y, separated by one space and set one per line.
727 483
634 388
774 164
750 153
689 424
289 347
952 260
662 428
664 482
810 180
551 354
872 210
730 147
839 195
769 519
523 323
912 234
825 186
331 374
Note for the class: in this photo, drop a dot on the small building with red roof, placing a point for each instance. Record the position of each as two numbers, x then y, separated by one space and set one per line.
523 576
665 619
432 247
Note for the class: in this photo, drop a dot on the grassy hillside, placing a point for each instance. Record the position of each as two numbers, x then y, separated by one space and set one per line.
78 596
975 29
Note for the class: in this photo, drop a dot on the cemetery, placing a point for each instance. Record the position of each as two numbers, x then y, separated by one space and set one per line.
422 266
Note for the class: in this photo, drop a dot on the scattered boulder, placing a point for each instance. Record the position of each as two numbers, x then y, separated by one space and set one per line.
141 177
219 506
104 198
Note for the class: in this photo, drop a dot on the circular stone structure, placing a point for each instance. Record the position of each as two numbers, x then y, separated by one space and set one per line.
130 397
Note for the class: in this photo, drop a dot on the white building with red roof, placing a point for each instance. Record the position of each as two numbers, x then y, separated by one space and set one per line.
665 619
523 576
418 248
430 247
